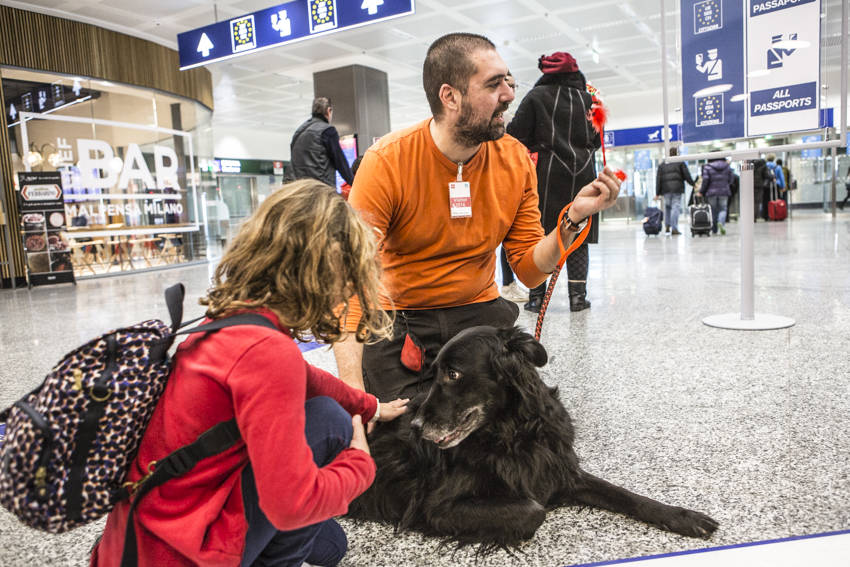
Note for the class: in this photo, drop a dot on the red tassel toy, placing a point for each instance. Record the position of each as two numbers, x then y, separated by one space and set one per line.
598 117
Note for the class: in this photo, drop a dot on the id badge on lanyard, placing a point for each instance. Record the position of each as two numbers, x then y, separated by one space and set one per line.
460 196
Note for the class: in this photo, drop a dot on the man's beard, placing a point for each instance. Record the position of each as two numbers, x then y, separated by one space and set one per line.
470 133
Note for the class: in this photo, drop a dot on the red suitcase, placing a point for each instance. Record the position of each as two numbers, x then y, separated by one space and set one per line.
777 210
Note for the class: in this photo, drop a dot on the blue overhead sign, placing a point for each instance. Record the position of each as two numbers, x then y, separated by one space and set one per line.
712 70
287 23
638 136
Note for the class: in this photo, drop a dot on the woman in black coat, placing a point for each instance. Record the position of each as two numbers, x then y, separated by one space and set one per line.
554 120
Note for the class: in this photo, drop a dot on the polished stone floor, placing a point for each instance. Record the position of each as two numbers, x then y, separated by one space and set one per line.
747 426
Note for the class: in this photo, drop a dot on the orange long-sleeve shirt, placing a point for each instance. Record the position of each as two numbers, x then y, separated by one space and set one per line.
431 260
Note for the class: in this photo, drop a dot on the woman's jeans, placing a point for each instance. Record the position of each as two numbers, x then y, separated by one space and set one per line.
328 430
672 209
719 204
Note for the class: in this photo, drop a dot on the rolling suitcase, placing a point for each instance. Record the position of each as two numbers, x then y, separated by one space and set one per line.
652 220
777 209
700 213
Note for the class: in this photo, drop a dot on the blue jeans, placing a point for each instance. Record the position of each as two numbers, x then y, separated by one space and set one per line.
719 205
672 209
328 430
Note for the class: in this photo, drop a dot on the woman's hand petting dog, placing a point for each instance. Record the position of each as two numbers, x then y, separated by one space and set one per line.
389 411
393 409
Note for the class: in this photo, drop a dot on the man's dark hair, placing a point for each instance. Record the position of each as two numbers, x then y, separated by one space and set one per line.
448 62
673 151
320 106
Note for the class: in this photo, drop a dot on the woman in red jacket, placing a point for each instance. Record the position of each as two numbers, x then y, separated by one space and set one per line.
303 457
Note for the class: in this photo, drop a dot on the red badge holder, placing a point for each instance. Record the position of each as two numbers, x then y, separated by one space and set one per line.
412 354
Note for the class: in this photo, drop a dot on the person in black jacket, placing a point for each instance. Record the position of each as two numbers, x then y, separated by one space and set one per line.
554 120
315 151
670 184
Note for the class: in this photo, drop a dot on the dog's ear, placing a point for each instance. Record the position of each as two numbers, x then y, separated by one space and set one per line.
518 341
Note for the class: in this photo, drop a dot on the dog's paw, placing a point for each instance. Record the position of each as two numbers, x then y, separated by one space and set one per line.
689 523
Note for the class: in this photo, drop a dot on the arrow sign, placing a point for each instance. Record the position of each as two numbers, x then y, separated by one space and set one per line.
204 45
372 6
291 21
13 112
77 88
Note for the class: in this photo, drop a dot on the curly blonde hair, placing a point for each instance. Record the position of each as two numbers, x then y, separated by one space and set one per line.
302 254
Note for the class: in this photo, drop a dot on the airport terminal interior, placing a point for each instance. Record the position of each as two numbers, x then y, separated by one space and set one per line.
748 426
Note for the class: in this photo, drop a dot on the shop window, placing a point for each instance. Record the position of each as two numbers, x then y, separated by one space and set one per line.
128 161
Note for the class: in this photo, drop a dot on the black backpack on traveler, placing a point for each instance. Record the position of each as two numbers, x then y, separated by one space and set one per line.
769 181
70 442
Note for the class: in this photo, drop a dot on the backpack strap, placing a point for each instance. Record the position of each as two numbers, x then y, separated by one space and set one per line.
174 301
213 441
232 321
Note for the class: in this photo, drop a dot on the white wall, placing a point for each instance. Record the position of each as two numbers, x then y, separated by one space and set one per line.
638 110
241 143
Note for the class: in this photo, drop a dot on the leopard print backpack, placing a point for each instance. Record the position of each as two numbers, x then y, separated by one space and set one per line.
70 442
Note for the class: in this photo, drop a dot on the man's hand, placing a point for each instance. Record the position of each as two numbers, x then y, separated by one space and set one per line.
598 195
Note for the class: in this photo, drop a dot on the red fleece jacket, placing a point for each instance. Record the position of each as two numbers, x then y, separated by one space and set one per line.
259 376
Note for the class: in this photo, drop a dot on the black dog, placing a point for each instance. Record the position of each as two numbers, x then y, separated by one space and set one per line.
490 450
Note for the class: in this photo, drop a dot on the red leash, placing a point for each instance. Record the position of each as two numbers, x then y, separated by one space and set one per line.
578 241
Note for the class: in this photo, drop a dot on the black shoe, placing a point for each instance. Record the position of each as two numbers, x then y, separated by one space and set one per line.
533 304
579 302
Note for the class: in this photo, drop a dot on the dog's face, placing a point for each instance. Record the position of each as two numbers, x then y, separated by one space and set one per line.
474 375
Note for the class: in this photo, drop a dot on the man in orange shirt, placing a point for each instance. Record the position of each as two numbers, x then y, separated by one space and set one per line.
442 195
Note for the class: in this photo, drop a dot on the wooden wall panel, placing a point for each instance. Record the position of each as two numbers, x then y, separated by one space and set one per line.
40 42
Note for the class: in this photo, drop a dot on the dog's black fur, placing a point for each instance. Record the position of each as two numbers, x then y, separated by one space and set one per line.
489 450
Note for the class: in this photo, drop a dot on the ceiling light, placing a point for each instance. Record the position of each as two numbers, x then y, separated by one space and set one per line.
739 97
716 89
106 83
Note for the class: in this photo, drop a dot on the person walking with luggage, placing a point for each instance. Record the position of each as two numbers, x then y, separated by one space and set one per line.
270 499
670 182
716 186
554 120
774 184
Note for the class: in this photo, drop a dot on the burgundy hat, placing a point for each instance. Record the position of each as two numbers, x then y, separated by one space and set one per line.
558 62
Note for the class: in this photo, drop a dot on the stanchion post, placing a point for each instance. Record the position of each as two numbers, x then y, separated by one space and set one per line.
746 223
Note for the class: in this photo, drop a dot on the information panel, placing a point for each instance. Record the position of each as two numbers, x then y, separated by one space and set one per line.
712 70
286 23
783 59
42 210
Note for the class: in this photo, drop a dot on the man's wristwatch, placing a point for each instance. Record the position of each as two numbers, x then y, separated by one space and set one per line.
571 226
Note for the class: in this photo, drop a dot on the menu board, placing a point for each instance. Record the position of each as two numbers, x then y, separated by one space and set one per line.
42 211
